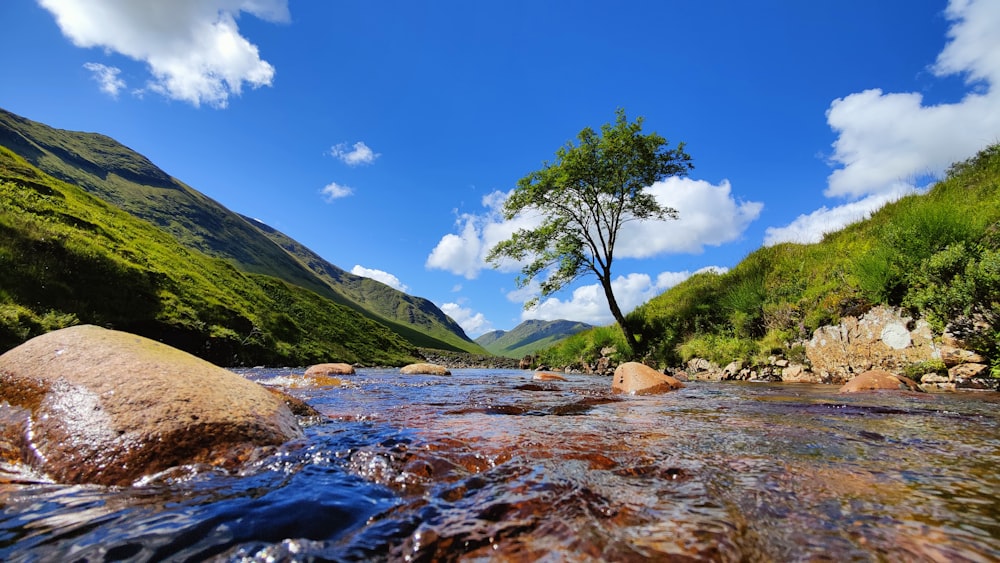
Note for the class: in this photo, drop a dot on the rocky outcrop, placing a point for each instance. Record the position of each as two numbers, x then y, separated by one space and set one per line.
639 379
90 405
878 380
883 338
424 369
329 370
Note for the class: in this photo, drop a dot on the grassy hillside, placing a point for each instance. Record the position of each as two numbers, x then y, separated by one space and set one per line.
529 337
67 257
935 254
113 172
425 324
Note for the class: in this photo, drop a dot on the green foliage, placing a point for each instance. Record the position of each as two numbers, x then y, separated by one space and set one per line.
529 337
937 254
117 175
917 369
587 347
718 348
585 197
67 257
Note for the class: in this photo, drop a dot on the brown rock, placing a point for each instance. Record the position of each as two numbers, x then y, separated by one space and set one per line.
547 376
639 379
424 369
107 407
328 370
798 373
968 371
881 339
875 380
952 356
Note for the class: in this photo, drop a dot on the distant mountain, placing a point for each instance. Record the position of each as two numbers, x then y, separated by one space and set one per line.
116 174
529 337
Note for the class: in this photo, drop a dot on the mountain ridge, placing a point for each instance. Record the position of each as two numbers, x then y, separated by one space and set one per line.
117 174
529 337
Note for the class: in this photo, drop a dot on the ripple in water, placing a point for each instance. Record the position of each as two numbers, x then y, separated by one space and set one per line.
489 465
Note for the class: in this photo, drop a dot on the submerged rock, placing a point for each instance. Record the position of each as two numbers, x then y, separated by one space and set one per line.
106 407
327 370
875 380
547 376
424 369
639 379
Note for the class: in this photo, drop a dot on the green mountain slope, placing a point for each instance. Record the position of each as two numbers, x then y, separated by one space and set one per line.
418 320
529 337
126 179
935 254
67 257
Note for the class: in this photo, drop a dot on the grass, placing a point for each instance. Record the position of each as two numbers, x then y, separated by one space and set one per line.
67 257
936 254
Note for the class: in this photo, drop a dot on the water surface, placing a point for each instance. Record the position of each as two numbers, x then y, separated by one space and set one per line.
490 465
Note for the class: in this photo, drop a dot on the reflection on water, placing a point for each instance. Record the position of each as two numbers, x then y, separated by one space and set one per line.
490 465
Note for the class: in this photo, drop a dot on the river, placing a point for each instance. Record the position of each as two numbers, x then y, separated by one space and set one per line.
490 465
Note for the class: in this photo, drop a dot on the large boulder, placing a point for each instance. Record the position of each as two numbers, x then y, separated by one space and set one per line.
424 369
878 380
329 370
883 338
91 405
635 378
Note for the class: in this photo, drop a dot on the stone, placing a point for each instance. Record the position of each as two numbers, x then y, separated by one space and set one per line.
424 369
108 407
732 369
952 356
968 371
928 378
547 376
639 379
879 339
329 370
876 380
798 373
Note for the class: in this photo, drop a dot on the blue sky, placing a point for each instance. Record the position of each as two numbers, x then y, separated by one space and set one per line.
384 135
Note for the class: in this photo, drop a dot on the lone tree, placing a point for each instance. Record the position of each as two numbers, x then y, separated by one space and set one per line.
585 198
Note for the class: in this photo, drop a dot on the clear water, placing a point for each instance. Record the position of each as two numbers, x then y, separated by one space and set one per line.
489 465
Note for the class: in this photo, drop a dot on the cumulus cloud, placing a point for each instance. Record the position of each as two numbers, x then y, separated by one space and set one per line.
193 48
333 191
709 216
890 144
588 303
107 77
473 323
379 275
359 154
811 227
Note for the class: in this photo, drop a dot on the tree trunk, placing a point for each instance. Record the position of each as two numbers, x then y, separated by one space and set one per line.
616 312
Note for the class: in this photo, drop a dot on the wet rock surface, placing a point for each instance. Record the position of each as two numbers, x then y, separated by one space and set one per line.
424 369
639 379
493 466
878 380
90 405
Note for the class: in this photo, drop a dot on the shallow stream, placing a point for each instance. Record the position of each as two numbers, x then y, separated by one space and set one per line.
490 465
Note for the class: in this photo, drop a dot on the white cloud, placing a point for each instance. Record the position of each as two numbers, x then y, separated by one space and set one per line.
811 228
588 303
193 48
709 216
884 139
107 77
334 191
378 275
889 145
358 155
474 324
